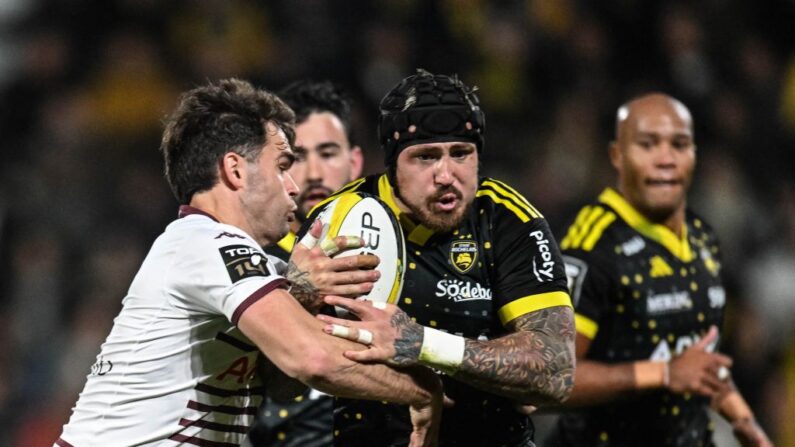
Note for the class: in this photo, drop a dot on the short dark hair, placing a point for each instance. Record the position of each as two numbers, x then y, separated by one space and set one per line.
212 120
306 97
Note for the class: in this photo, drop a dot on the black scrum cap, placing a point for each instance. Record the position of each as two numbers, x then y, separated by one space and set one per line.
426 108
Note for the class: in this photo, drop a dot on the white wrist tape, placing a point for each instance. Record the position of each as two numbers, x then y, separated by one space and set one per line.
441 350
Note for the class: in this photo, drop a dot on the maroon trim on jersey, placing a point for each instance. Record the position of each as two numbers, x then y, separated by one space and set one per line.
200 442
187 210
254 297
227 409
239 344
223 392
217 426
61 443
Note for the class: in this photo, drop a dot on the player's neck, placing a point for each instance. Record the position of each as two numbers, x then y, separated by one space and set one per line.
674 221
225 209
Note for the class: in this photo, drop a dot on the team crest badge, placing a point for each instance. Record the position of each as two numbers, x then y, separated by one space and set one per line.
463 255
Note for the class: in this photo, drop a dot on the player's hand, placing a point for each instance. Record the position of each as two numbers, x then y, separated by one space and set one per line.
697 371
750 434
425 421
313 273
525 409
392 337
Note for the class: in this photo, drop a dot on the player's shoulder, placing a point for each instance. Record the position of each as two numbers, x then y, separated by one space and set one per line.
595 226
501 200
196 231
700 228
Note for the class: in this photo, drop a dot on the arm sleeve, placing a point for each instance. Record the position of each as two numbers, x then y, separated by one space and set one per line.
590 286
529 269
225 275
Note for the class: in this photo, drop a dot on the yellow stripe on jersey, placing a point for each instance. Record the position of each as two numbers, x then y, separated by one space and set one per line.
286 243
387 195
505 202
575 227
585 326
420 234
678 246
352 186
517 200
585 229
341 209
532 303
517 195
598 228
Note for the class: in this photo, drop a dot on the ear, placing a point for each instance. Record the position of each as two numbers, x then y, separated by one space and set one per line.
616 155
233 170
357 162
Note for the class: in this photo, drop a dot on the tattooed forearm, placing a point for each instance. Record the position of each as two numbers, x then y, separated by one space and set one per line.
302 289
408 342
535 364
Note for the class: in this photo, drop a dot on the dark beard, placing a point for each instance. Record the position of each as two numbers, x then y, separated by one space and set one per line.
439 222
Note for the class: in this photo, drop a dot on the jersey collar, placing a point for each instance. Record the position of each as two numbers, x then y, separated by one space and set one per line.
416 233
678 246
187 210
287 243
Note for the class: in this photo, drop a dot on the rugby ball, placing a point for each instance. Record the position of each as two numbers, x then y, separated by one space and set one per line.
365 215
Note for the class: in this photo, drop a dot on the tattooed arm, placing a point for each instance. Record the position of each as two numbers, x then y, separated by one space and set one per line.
533 364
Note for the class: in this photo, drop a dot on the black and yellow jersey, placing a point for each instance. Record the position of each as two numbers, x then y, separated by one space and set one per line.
500 263
640 293
304 422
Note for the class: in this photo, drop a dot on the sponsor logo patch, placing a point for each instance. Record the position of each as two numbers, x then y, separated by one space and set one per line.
463 255
633 246
717 297
575 276
668 302
542 268
243 262
459 290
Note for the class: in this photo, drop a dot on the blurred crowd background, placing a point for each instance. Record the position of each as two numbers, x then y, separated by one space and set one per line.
85 85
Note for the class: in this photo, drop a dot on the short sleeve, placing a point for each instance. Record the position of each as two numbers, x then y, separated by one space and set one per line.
590 286
225 274
529 270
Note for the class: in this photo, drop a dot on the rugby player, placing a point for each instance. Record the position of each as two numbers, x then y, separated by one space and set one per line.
325 161
484 298
645 276
178 365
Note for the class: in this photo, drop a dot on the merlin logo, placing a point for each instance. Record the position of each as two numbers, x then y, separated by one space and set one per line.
243 261
463 255
543 268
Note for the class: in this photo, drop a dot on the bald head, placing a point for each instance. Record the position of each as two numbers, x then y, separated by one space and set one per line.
654 156
652 104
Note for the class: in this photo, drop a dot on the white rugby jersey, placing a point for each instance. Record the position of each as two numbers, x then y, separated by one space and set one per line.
175 369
